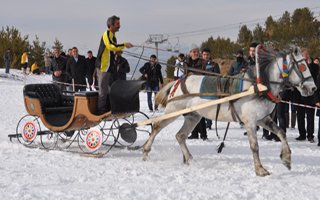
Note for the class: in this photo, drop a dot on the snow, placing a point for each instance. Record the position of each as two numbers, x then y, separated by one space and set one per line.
37 174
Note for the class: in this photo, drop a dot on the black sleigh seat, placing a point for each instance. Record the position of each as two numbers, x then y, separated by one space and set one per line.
56 107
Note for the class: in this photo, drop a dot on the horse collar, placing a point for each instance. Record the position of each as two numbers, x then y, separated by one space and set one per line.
273 98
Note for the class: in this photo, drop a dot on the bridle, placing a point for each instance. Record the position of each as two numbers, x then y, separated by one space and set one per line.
296 65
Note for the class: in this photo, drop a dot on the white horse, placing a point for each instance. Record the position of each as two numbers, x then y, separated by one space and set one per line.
252 110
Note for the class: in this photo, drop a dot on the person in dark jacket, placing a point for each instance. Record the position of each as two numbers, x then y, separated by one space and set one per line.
151 71
7 58
239 65
122 67
211 66
91 60
317 100
194 61
310 100
77 70
58 68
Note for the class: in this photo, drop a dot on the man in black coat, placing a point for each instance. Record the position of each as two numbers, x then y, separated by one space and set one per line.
7 58
58 68
239 65
121 67
77 70
91 60
310 100
151 71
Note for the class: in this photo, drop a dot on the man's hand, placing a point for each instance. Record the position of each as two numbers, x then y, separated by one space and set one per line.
57 73
318 104
129 45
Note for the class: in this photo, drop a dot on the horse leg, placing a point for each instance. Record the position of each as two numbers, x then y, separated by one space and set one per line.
271 126
252 136
157 127
190 122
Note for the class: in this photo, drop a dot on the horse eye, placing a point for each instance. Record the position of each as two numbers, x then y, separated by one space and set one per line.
302 67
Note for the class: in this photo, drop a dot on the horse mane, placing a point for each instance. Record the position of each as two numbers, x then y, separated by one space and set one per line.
267 57
162 96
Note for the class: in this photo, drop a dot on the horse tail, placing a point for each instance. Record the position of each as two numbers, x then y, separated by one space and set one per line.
162 96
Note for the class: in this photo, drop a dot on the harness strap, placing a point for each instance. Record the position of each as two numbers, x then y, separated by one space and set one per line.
273 98
184 86
175 87
216 122
234 113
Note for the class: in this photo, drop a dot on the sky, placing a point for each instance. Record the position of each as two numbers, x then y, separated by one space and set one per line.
81 23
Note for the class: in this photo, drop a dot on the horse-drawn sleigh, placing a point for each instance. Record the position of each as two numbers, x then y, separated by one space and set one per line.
252 106
57 119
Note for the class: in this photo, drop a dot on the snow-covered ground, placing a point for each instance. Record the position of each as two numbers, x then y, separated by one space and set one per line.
37 174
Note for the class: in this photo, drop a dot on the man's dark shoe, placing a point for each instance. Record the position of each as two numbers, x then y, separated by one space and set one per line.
267 137
300 138
311 140
276 138
204 138
193 137
319 144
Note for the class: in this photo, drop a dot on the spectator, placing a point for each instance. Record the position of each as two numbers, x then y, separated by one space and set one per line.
152 72
69 53
77 70
47 60
251 63
92 77
121 67
35 68
211 66
24 62
301 111
7 57
105 61
239 65
58 68
194 61
179 67
317 97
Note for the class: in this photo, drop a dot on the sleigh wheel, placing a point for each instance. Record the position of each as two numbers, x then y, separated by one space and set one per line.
66 139
127 133
48 139
27 129
93 140
89 141
109 136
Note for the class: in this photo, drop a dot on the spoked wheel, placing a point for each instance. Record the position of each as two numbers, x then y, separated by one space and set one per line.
66 139
90 141
109 137
27 130
127 133
48 139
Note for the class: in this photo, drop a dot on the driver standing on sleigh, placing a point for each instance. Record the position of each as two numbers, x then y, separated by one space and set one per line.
105 61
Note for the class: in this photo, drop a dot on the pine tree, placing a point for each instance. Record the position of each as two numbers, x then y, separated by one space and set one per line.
37 53
10 37
58 44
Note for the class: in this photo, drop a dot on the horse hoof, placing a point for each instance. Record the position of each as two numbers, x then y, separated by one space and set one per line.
187 160
145 157
262 172
287 164
286 161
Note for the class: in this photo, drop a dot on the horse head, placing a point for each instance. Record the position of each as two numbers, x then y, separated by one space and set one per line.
299 73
